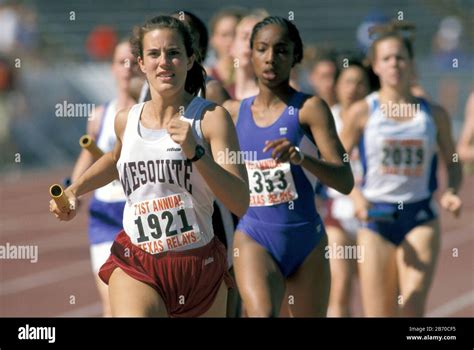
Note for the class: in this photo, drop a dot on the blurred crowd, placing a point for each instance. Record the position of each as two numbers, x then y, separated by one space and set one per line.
227 37
18 41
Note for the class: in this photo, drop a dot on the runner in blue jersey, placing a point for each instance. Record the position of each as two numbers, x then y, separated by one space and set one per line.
279 244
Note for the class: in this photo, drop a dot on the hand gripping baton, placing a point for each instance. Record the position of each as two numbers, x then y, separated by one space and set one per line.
57 194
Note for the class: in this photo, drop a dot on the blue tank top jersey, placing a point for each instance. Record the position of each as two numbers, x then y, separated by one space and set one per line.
282 215
252 141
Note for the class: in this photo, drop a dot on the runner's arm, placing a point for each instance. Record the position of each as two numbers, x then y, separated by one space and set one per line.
104 170
316 115
228 181
447 148
85 159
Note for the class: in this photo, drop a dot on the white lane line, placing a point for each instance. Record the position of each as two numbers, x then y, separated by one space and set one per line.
453 306
43 278
91 310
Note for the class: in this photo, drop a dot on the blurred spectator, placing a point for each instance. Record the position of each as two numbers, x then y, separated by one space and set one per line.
18 28
6 76
449 57
27 34
8 28
446 42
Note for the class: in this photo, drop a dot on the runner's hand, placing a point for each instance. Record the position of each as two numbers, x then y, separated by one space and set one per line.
182 133
361 208
283 150
451 202
64 216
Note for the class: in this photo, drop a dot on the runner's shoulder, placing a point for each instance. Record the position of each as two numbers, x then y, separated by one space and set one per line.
232 106
121 122
358 114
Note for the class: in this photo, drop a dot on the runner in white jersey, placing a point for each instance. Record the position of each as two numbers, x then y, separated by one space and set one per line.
160 183
352 84
107 203
398 136
167 260
223 222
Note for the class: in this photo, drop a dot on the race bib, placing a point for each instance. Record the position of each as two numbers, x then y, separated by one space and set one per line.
403 157
271 183
165 223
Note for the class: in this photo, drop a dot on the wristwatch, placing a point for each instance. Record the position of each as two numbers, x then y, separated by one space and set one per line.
199 152
301 155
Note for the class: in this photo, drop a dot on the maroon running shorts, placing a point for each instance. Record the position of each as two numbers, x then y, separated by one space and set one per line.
193 276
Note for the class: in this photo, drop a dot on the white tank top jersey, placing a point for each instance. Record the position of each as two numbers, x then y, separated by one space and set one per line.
169 205
225 214
106 139
398 157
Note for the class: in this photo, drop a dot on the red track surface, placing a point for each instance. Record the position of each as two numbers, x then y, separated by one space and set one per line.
61 283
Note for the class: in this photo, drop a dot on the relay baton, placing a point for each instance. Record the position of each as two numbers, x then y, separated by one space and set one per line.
89 144
57 194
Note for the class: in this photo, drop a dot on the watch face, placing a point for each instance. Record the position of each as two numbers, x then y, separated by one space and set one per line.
199 151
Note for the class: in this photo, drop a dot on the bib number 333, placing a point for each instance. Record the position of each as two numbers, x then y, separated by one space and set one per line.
271 183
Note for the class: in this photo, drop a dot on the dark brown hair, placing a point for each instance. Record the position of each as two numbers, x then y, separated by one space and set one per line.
196 77
196 26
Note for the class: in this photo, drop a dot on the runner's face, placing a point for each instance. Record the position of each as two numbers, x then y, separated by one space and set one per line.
272 55
165 61
351 86
392 63
122 64
323 79
223 36
241 46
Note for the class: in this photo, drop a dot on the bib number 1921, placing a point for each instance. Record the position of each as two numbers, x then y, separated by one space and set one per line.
154 228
